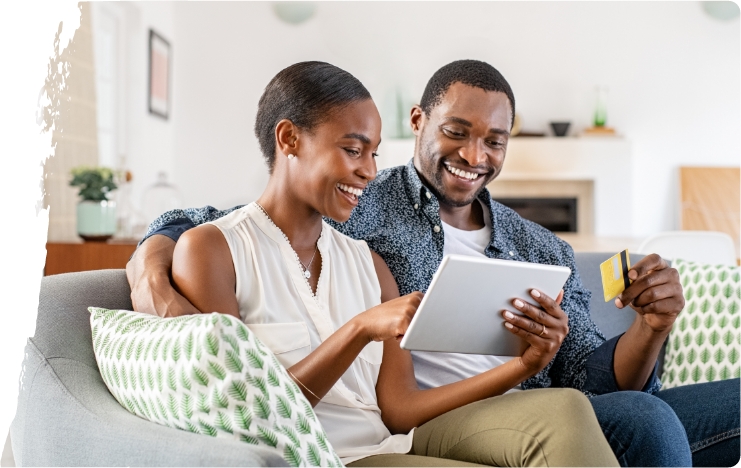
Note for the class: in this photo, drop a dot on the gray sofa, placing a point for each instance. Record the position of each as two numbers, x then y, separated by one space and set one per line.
67 417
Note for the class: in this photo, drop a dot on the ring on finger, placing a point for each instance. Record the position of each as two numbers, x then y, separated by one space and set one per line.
543 332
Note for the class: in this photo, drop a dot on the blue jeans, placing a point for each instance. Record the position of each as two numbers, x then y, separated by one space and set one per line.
694 425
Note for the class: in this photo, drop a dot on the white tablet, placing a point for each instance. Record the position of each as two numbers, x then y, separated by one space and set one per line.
462 309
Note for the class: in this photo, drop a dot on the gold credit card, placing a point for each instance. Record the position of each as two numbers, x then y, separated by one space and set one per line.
615 274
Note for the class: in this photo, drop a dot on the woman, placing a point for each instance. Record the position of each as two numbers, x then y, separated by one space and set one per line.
330 309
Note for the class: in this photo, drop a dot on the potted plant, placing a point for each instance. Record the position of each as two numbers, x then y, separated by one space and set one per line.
96 215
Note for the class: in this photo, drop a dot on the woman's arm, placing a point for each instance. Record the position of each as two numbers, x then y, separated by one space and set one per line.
404 406
319 371
203 270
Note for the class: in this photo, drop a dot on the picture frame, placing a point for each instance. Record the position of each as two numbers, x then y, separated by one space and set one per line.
159 75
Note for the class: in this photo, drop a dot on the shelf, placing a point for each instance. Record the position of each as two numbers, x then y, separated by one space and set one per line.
69 257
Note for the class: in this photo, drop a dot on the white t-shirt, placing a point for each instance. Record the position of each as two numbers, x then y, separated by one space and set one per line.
437 369
277 305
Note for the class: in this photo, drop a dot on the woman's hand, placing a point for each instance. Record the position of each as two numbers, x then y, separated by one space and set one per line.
389 319
404 406
544 328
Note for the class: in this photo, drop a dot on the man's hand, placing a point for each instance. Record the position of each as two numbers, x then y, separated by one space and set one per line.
656 293
543 328
148 273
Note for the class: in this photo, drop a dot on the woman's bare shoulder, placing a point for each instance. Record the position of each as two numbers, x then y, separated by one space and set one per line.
203 271
203 242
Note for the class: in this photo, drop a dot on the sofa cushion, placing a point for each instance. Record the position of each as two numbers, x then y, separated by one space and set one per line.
703 345
207 374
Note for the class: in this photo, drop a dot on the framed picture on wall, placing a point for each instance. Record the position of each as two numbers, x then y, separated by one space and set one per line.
159 75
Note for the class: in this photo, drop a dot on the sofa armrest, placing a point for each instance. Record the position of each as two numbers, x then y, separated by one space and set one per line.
67 417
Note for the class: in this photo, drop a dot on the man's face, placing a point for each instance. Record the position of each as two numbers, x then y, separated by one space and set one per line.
461 145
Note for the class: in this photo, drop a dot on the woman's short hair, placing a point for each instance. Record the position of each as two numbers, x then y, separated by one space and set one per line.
307 94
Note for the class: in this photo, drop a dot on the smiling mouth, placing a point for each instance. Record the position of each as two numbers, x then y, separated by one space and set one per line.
461 173
352 191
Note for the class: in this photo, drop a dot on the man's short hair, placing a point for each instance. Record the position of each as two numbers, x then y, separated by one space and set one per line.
469 72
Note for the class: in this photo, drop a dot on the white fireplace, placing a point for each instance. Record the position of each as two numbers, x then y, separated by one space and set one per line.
594 170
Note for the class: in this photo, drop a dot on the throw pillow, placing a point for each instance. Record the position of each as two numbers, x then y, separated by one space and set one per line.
210 375
704 344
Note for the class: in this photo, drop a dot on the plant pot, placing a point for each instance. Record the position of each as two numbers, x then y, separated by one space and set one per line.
560 129
96 220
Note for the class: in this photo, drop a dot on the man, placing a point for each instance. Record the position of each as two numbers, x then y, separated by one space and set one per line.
438 204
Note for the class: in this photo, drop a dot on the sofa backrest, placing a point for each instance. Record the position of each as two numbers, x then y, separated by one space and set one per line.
611 320
63 322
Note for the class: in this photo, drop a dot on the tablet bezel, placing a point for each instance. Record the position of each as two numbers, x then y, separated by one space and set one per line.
478 289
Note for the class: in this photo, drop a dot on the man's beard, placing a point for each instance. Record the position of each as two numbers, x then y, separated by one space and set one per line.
442 197
433 174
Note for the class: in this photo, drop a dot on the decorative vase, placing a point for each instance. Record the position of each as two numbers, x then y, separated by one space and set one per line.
96 220
600 110
396 117
160 198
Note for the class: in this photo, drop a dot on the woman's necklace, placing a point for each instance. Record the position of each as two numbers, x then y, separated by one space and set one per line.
305 268
307 273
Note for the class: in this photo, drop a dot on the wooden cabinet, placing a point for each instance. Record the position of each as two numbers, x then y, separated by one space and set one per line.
84 256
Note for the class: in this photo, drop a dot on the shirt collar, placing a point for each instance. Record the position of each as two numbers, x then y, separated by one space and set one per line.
416 191
413 185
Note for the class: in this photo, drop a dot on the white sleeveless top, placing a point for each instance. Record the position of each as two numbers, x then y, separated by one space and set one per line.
277 304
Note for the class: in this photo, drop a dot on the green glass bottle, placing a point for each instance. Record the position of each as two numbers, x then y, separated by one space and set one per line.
600 111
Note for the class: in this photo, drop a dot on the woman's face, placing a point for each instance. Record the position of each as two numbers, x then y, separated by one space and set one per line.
336 160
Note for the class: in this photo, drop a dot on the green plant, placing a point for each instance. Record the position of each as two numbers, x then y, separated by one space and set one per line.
95 182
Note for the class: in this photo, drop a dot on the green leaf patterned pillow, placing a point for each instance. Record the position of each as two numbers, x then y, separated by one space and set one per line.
705 341
210 375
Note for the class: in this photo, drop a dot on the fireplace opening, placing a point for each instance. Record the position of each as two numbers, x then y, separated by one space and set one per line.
554 214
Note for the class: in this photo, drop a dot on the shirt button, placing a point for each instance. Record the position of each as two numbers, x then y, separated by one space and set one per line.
416 206
429 195
436 228
511 254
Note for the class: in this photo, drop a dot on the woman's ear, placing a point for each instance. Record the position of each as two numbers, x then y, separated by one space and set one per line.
286 137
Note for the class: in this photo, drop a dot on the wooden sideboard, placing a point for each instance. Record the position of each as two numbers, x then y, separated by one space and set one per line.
68 257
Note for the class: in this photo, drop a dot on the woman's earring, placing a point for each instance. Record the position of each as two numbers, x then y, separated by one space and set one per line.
290 156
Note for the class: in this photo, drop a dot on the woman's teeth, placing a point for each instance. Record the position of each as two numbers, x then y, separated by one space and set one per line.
460 173
350 190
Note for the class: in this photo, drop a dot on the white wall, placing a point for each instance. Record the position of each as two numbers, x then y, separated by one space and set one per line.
142 142
672 71
151 138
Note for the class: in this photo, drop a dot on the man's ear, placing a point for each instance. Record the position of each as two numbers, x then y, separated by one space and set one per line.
286 137
416 120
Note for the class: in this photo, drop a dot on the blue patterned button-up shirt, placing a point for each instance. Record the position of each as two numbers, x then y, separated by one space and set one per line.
399 218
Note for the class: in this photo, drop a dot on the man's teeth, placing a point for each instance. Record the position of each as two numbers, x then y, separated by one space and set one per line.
350 190
460 173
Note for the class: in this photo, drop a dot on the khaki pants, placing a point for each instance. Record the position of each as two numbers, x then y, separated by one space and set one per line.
544 427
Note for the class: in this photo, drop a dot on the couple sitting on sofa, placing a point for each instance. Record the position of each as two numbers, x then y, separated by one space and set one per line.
351 282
